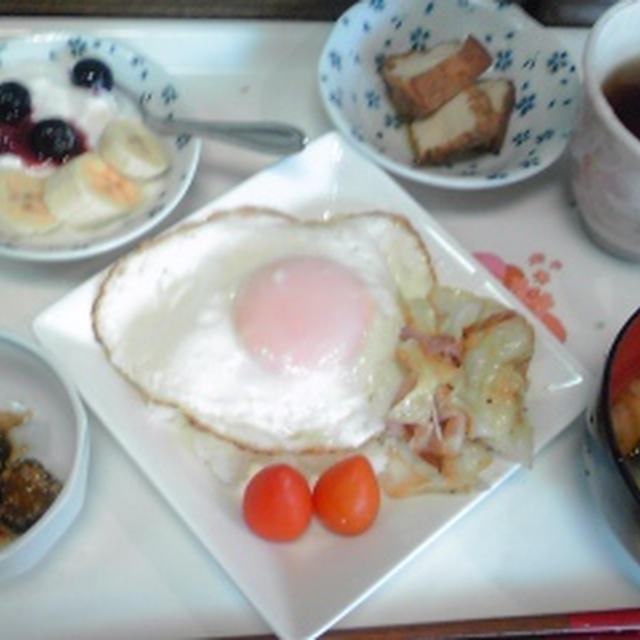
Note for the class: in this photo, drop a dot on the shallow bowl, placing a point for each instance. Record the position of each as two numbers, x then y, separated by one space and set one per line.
150 84
545 80
56 435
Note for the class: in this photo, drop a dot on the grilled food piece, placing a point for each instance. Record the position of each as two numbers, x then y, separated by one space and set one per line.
27 490
5 449
502 95
10 418
420 82
475 120
462 124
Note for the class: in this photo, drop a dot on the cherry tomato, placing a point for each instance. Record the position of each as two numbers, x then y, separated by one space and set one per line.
346 496
277 503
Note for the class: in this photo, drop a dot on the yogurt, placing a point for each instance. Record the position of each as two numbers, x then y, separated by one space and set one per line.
54 96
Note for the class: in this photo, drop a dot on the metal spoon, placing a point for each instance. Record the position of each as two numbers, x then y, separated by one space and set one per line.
269 137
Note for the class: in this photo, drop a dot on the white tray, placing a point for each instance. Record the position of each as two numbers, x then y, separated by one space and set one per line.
131 568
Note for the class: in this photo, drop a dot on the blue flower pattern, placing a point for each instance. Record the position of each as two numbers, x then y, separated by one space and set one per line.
169 94
521 137
77 47
534 68
336 97
558 60
547 134
392 120
532 161
526 104
503 59
418 38
336 60
372 99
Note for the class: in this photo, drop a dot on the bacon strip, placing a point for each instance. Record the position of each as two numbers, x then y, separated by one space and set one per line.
435 344
442 433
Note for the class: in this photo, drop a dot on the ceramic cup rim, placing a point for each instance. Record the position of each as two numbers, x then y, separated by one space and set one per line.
593 85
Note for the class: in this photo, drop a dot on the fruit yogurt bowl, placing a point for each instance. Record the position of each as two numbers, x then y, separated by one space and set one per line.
80 172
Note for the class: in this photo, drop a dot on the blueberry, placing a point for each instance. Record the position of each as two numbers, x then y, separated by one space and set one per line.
15 102
92 73
54 139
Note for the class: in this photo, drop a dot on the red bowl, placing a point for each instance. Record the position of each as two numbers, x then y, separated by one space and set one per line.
613 477
622 366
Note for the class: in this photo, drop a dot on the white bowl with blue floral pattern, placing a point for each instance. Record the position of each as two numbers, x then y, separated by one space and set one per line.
545 78
148 83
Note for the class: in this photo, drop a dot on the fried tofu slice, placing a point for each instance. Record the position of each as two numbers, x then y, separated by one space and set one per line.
462 124
474 120
420 82
501 93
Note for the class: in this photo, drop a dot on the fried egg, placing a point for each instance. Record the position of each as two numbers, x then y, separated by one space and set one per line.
272 333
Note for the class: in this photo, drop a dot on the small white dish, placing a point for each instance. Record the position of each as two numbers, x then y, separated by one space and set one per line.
304 587
545 78
56 435
152 85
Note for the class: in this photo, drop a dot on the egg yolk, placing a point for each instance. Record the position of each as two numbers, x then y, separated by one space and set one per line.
302 312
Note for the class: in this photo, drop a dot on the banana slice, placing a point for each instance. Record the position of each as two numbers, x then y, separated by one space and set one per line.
133 150
21 203
88 192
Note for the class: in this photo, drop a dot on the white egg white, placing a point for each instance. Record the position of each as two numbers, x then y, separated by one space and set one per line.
164 315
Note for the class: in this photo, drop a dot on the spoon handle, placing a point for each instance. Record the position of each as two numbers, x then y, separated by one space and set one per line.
270 137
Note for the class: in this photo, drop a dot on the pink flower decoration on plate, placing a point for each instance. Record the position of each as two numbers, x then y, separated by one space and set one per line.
528 290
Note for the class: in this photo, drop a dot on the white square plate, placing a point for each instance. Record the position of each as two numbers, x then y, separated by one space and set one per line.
304 587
